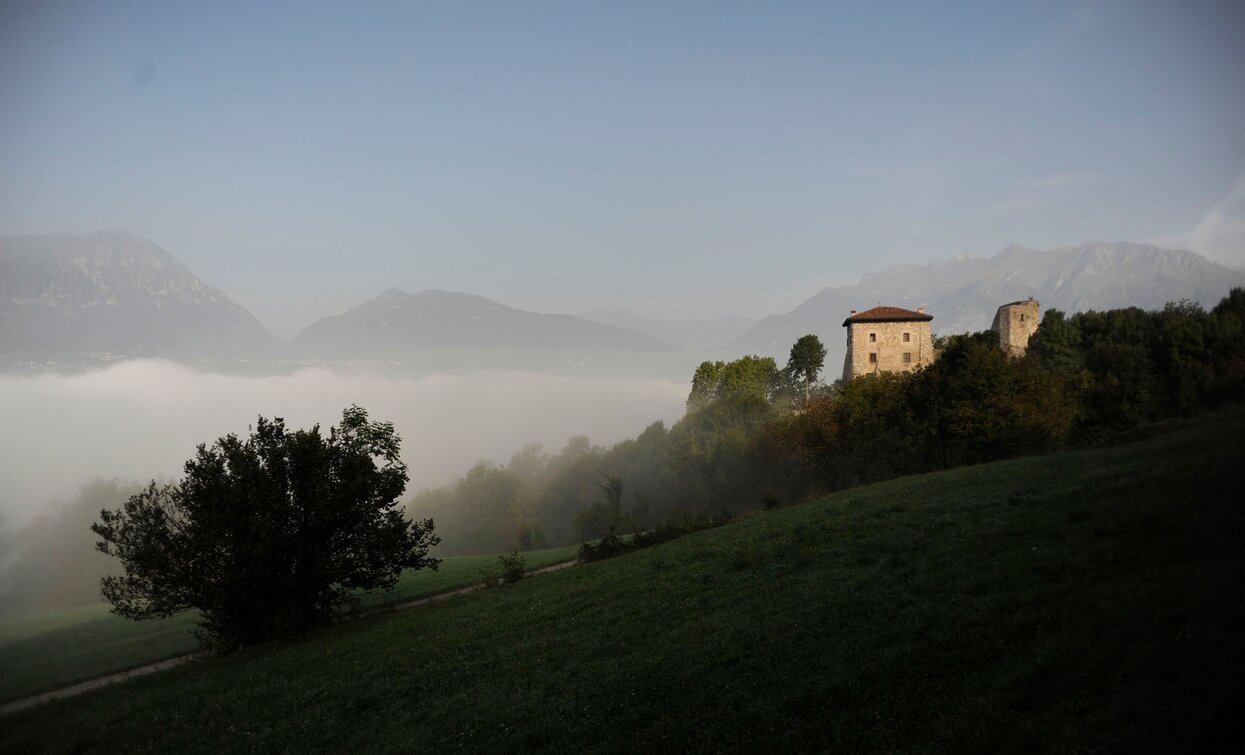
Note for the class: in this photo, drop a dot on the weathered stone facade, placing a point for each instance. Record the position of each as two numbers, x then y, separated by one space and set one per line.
1015 323
887 339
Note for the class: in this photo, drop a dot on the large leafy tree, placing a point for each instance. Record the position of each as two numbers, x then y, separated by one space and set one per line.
269 535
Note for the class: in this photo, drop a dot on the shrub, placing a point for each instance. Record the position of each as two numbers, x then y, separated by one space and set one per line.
662 534
607 547
513 567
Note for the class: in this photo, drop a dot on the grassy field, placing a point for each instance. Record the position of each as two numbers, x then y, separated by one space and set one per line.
1088 601
48 651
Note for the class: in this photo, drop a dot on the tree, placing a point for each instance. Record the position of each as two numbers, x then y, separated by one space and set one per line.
704 384
602 517
612 492
748 377
1057 344
976 404
270 535
606 514
806 360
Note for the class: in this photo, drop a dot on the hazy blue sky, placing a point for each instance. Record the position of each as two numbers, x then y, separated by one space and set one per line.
672 157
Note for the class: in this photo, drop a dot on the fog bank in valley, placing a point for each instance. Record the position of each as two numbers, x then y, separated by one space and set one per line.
142 419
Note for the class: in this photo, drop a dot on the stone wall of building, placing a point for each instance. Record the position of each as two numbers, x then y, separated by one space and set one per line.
885 342
1016 323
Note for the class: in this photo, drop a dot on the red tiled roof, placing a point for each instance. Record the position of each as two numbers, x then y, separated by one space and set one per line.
886 314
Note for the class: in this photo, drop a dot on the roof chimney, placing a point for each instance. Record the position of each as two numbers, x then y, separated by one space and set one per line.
920 310
853 311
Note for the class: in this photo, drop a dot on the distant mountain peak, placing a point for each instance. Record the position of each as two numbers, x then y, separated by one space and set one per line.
114 292
1014 249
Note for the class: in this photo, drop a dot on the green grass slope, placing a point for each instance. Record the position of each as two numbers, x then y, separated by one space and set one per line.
49 651
1086 601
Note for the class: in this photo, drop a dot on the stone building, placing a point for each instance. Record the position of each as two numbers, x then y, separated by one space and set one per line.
887 339
1015 323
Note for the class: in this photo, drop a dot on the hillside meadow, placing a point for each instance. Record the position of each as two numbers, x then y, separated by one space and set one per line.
1084 601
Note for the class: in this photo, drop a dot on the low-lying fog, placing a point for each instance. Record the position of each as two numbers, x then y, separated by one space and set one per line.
142 419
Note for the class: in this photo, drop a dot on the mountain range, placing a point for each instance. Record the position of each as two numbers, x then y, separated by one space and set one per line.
78 301
397 323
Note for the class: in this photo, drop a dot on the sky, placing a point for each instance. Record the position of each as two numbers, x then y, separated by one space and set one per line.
680 159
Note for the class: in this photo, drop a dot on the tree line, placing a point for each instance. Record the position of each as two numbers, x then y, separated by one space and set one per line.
756 435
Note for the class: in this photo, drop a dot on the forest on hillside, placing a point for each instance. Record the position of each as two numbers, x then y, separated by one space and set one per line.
753 438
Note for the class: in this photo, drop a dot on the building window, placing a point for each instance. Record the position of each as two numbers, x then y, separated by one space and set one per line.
906 338
873 337
1022 317
907 357
873 357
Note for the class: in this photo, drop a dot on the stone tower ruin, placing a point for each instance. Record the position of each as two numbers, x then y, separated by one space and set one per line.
1015 323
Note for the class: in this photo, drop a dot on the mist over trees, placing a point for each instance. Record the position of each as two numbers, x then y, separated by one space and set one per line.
65 430
702 469
52 561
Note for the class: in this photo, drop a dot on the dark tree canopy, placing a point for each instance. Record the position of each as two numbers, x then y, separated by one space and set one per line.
269 535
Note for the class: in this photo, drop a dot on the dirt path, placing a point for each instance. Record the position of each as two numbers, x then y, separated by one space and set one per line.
181 660
97 682
453 593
